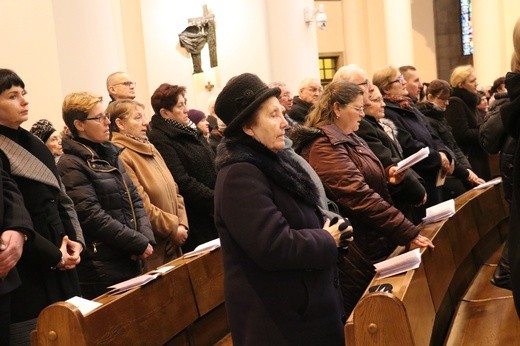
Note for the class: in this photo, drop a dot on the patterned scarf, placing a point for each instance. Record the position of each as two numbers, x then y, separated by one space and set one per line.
142 140
180 126
404 102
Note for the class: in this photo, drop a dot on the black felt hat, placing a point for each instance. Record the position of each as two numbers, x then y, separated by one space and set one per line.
239 100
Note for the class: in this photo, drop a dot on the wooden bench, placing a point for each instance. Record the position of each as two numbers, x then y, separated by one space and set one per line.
423 302
486 313
185 306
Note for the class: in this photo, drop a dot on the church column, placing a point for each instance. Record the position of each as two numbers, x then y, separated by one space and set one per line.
399 37
489 56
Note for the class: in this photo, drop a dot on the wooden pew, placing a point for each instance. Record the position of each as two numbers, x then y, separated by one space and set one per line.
423 301
185 306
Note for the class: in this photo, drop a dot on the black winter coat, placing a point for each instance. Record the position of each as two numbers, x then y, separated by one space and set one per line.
494 138
410 191
511 118
190 159
413 134
110 211
461 115
280 274
438 122
52 219
299 110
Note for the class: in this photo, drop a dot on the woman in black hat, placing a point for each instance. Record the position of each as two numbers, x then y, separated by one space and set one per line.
280 277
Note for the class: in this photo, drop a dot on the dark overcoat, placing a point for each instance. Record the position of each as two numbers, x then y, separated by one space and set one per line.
41 285
281 283
190 160
460 114
511 118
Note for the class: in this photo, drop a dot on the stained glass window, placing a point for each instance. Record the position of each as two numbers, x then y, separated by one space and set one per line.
467 29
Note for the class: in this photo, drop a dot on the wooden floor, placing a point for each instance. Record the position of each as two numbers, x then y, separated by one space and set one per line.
486 315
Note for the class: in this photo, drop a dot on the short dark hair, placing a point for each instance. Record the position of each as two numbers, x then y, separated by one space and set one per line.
8 79
166 96
439 88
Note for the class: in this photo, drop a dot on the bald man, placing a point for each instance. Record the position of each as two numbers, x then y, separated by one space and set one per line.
120 86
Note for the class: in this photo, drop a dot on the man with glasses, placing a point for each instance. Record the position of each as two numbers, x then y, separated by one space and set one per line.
354 74
309 92
120 86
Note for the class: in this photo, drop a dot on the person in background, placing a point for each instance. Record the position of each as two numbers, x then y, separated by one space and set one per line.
498 87
461 115
154 182
309 92
381 136
413 131
198 118
279 254
212 117
120 86
286 101
355 179
44 130
46 267
482 107
117 231
463 178
413 82
189 159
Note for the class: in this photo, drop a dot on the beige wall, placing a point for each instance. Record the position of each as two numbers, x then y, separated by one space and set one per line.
29 48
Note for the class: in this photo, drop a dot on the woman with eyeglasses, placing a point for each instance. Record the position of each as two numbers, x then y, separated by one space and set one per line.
189 158
118 234
381 136
356 180
461 113
413 131
437 98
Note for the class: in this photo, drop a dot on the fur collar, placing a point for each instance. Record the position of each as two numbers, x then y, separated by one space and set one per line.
279 167
469 98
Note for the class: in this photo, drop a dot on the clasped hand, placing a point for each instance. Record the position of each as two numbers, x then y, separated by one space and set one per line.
340 231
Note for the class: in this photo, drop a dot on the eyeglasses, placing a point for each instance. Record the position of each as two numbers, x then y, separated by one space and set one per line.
99 118
360 110
399 79
127 84
366 83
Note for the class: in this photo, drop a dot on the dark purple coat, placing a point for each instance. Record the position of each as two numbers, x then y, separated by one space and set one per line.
281 283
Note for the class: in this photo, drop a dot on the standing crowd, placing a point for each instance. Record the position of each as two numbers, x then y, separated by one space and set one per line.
303 192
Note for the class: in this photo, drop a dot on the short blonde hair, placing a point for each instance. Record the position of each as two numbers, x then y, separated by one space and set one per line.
76 106
383 77
460 74
515 59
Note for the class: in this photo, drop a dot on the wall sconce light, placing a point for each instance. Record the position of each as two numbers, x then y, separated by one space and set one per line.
318 15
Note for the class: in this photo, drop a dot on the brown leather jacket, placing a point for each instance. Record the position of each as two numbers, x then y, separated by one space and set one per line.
355 179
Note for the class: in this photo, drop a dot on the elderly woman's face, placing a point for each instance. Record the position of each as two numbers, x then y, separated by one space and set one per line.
397 86
179 112
269 125
377 105
135 123
54 143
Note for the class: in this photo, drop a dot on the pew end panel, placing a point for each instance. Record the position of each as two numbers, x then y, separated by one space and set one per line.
429 294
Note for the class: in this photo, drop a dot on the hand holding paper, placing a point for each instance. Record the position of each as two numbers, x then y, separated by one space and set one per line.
412 159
